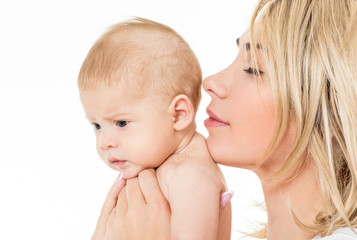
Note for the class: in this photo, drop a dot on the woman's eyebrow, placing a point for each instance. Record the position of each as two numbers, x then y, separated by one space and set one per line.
247 45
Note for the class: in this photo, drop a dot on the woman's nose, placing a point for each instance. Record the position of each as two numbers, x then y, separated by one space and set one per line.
215 85
107 140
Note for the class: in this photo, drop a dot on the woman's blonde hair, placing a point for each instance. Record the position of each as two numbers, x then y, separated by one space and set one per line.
150 56
309 48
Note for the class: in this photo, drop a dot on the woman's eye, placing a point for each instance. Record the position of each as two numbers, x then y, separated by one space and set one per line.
96 126
253 71
121 123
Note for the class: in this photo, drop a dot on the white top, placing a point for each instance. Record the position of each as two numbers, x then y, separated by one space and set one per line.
340 234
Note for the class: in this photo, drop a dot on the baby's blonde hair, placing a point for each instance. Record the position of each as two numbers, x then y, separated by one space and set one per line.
151 57
309 48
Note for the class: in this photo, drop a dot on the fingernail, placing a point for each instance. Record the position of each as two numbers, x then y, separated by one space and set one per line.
120 178
226 198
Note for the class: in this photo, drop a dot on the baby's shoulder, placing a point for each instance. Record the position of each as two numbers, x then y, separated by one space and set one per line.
200 168
192 166
194 163
195 156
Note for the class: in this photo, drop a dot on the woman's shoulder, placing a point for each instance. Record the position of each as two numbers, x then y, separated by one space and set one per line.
340 234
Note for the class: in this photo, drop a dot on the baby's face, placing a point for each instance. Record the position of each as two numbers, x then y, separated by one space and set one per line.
132 133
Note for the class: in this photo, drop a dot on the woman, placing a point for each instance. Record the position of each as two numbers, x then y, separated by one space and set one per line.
285 109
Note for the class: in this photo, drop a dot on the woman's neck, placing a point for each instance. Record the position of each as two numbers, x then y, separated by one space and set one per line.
299 195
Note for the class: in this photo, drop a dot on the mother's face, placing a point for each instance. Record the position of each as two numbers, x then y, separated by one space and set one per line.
242 112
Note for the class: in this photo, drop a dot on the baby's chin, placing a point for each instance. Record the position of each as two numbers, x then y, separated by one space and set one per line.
126 173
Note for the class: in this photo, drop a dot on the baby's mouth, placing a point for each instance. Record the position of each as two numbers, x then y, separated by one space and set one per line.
116 162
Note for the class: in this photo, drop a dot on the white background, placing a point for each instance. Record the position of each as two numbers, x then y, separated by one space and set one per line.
52 183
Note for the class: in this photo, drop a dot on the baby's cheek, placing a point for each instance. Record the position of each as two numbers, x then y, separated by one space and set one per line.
100 153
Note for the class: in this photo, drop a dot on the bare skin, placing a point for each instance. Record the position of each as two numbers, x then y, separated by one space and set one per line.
300 195
238 138
186 175
247 109
142 194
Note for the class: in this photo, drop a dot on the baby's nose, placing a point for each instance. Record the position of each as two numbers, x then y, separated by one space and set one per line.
107 140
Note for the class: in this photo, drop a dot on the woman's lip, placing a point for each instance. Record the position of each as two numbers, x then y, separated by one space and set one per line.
214 121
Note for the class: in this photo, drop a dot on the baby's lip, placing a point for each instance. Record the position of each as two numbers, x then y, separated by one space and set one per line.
112 159
116 162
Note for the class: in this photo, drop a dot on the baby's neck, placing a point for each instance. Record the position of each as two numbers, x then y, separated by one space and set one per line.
185 139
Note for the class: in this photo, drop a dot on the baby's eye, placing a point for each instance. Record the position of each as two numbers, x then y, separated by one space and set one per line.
96 126
121 123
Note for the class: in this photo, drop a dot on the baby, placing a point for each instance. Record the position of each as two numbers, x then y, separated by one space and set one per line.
140 88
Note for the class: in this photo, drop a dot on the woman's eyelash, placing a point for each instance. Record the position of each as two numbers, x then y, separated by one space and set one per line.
253 71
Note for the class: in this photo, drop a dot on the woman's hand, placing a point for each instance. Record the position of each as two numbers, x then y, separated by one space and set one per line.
140 212
108 206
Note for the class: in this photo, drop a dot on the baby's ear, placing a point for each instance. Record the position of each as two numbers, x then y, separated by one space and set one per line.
182 111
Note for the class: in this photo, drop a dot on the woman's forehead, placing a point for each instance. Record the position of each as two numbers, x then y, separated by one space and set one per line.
244 41
246 35
244 38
